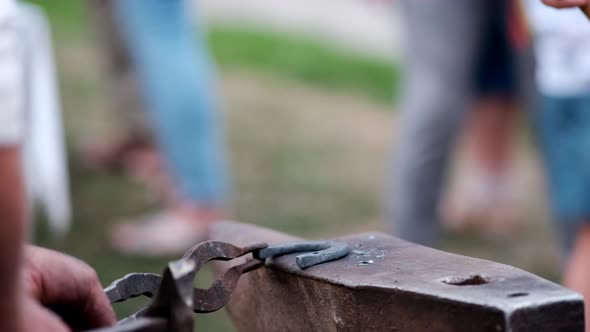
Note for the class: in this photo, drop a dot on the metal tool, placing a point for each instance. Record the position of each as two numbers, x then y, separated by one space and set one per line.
133 285
171 309
175 299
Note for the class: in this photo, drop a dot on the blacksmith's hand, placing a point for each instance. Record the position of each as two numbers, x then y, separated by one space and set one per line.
62 293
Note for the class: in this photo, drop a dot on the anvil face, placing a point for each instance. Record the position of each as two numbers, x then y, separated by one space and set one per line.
387 284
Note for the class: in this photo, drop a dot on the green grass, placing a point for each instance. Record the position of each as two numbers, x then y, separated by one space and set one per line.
68 17
304 59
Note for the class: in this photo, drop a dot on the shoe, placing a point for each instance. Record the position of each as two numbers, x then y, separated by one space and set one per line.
483 204
157 235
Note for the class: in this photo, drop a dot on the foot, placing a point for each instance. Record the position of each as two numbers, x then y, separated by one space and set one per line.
162 234
482 204
577 272
113 153
136 156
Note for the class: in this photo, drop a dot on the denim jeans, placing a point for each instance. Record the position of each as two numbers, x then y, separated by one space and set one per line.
176 80
562 126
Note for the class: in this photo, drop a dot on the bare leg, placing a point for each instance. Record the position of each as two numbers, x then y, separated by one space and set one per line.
577 272
484 190
491 134
132 133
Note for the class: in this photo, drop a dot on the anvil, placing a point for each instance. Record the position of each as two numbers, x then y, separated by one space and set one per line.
388 284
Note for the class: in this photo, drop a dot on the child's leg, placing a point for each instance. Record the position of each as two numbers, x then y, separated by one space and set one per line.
491 127
563 127
577 271
493 133
482 196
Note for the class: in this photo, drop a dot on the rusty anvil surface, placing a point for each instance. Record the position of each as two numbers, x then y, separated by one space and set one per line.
387 284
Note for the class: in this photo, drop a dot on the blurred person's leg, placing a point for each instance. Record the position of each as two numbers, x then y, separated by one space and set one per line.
175 75
491 130
577 272
131 139
488 186
563 131
484 194
441 39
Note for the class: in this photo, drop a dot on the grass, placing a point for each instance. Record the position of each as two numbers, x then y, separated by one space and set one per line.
307 60
68 17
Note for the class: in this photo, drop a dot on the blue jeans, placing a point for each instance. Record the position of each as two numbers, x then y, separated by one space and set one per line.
175 75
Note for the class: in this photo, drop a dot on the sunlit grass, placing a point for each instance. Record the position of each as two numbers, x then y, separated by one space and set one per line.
308 60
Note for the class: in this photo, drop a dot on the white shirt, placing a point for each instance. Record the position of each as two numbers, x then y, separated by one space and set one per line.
11 77
562 49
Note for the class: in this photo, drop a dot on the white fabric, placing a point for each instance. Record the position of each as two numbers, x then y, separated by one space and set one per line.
562 48
11 77
45 163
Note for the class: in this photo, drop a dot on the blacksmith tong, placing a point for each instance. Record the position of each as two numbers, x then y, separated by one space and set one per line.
174 298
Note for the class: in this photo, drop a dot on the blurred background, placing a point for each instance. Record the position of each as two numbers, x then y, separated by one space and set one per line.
307 90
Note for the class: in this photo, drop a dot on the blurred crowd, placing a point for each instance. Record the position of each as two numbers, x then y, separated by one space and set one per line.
474 72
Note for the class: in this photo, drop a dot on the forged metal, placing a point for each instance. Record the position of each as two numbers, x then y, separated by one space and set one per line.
321 252
387 284
175 299
133 285
172 306
215 297
143 324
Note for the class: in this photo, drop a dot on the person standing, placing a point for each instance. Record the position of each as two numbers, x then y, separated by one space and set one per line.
174 78
445 61
562 125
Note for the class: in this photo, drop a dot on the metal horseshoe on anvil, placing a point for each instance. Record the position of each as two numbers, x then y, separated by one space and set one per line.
374 282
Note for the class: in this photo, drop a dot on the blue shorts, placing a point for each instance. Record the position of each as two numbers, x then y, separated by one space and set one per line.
496 70
563 128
